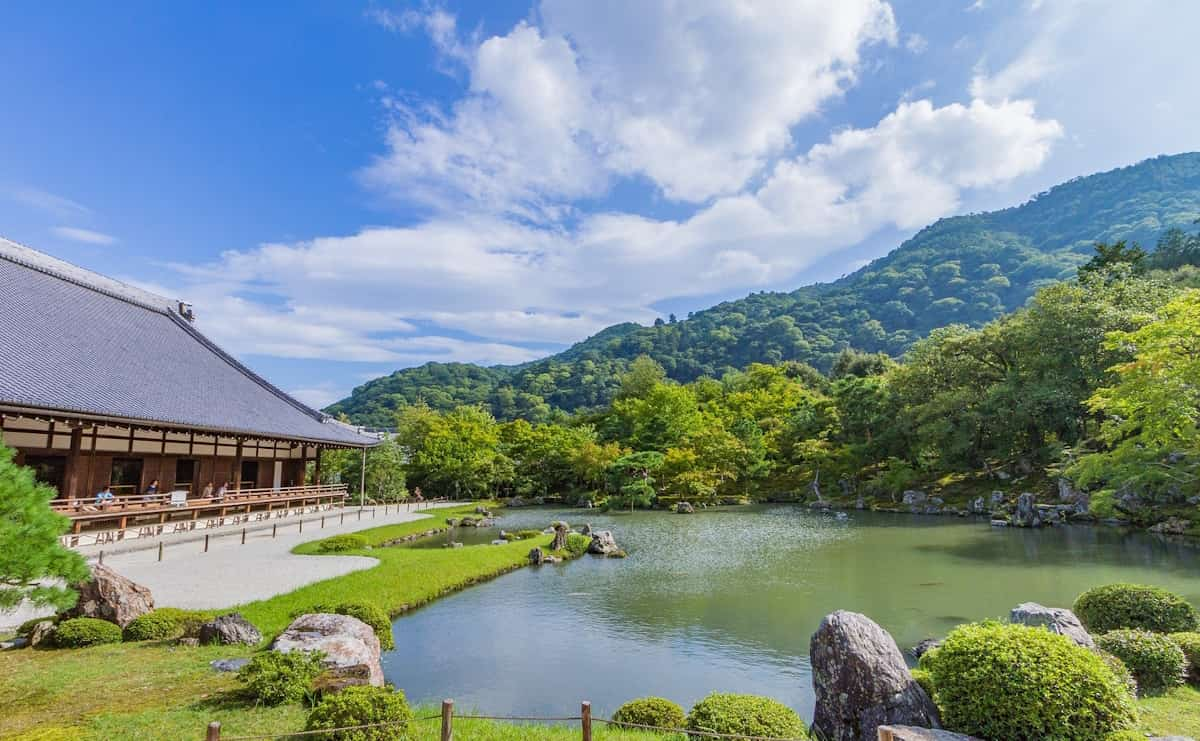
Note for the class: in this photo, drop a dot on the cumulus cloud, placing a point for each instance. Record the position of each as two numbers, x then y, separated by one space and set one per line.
694 96
485 287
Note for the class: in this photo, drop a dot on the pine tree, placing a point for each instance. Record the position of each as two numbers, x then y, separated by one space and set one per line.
33 564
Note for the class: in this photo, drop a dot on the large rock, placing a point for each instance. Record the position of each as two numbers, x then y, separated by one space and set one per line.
537 556
684 508
1057 619
1027 513
338 678
861 681
110 596
41 633
345 641
560 536
913 733
603 543
230 629
913 497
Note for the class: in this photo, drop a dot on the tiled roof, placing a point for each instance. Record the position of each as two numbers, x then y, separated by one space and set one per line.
76 341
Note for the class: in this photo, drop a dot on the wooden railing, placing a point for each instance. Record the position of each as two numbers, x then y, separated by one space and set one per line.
142 516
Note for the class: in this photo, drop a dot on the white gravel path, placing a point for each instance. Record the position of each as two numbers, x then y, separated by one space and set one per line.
231 573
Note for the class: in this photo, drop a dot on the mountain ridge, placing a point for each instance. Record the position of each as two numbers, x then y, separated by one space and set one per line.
966 269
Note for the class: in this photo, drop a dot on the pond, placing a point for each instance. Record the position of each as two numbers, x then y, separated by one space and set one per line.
727 600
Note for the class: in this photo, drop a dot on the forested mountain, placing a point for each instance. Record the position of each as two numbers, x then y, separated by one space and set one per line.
965 269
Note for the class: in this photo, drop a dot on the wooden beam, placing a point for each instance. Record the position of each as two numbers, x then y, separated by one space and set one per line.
71 480
237 467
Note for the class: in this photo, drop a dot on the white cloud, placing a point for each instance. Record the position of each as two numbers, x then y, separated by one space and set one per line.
1101 69
480 287
320 396
87 236
52 204
637 87
916 43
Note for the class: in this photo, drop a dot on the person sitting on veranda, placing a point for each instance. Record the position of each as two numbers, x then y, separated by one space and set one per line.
220 495
151 492
208 491
104 497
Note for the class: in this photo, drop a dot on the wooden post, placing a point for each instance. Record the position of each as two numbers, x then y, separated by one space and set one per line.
447 720
237 467
206 542
362 481
74 462
585 720
214 731
274 527
243 536
317 468
160 547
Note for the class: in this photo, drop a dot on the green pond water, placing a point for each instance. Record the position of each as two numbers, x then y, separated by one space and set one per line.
727 600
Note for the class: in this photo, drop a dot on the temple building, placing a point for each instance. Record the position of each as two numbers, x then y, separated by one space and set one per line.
103 384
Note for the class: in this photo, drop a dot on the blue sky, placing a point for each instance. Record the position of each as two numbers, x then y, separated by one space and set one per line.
342 189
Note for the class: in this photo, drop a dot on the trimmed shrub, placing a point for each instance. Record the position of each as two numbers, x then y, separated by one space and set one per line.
522 534
275 678
1189 643
1118 606
25 628
1126 736
577 544
360 706
1155 661
1119 670
750 715
84 631
1014 681
925 679
650 711
163 623
342 543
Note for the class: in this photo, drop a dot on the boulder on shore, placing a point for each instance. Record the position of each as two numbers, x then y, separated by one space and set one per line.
913 497
861 681
924 646
1055 619
1027 513
603 544
684 508
230 629
110 596
537 556
42 632
345 641
560 536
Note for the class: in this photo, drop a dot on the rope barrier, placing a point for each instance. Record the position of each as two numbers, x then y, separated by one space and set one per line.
523 718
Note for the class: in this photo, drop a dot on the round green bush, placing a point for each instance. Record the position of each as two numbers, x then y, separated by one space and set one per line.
1155 661
1189 643
658 712
80 632
341 543
748 715
1014 681
274 678
925 679
163 623
1119 670
1118 606
360 706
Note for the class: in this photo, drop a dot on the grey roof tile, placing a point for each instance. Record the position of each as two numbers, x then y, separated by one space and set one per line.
77 341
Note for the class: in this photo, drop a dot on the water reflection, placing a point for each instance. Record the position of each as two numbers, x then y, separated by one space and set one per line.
728 600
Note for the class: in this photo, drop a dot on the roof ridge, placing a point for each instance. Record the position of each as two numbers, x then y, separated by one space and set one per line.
56 267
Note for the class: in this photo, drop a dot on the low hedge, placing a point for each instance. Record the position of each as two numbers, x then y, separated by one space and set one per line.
1155 661
1189 643
163 623
342 543
925 679
1136 606
274 678
84 631
1119 669
1014 681
360 706
577 544
749 715
658 712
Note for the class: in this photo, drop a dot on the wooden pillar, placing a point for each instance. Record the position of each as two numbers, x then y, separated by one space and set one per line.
317 468
91 467
237 467
74 462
